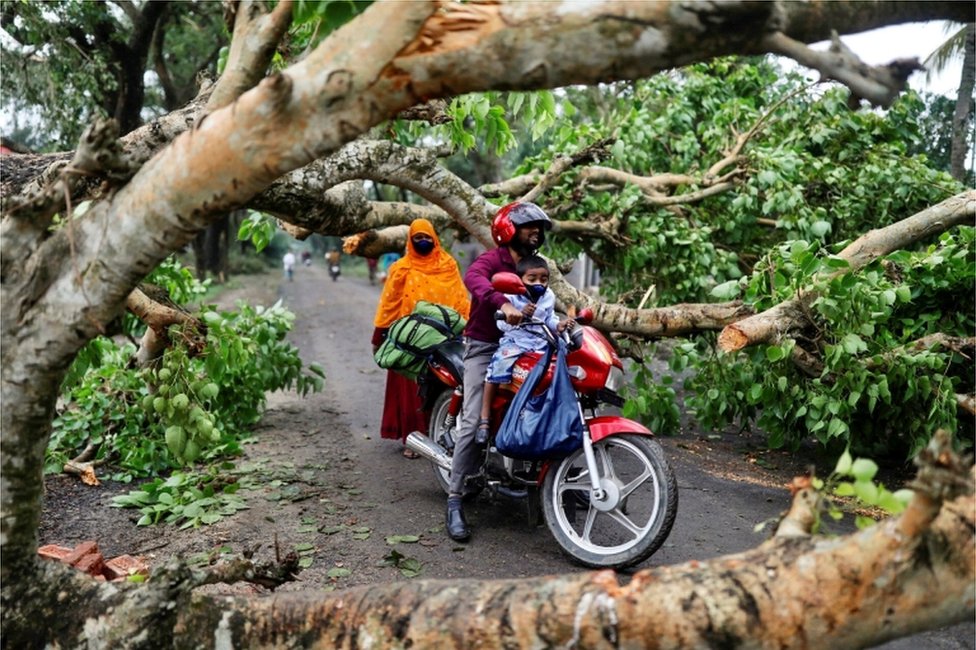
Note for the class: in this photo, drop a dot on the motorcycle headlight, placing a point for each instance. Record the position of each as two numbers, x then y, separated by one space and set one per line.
615 379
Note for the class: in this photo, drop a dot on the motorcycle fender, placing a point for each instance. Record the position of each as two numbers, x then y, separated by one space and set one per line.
600 428
608 425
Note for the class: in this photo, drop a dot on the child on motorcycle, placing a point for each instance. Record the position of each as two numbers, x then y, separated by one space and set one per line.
540 303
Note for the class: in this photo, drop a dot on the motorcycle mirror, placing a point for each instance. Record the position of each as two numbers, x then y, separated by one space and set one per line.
508 282
585 316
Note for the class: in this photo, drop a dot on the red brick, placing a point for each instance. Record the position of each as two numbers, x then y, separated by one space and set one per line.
92 564
53 552
121 567
81 550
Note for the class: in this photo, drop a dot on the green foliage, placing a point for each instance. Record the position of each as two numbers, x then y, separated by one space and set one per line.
185 408
259 228
102 407
815 169
878 392
652 400
408 566
814 175
854 479
934 119
313 20
485 121
476 113
185 498
63 63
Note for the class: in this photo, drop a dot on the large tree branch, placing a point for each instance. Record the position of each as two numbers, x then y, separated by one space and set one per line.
306 197
904 575
561 164
778 321
880 85
255 39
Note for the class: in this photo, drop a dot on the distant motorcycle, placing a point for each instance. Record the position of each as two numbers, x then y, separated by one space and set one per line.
612 502
334 272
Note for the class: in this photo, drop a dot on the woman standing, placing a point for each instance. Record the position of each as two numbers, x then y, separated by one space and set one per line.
426 272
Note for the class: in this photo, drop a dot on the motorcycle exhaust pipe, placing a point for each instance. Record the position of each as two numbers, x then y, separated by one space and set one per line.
429 449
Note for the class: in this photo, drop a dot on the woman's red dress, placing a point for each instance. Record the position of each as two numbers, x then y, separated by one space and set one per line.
401 408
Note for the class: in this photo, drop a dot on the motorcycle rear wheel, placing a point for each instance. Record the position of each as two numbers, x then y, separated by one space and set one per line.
443 435
446 436
635 517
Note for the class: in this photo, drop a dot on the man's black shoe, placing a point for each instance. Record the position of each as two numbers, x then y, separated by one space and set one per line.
457 527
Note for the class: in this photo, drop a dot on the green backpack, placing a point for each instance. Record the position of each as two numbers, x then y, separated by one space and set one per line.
411 338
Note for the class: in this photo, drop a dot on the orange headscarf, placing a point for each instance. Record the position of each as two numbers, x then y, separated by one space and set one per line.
433 277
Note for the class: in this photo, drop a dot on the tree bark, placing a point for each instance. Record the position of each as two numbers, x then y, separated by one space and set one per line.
964 108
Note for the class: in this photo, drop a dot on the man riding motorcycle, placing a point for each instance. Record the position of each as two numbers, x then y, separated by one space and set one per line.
518 229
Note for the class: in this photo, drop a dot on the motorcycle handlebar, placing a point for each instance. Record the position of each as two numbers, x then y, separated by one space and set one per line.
573 336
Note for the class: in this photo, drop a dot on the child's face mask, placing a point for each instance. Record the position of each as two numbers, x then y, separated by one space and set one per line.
536 291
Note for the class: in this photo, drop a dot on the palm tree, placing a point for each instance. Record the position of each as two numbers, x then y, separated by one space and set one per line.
962 41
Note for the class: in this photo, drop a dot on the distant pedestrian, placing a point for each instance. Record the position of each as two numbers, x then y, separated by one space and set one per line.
289 263
371 264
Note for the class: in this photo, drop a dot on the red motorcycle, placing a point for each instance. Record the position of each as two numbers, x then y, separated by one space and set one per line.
609 504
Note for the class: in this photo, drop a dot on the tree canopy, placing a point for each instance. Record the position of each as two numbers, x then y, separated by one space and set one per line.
817 269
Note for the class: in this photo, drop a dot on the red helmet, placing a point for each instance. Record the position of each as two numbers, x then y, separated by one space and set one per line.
514 215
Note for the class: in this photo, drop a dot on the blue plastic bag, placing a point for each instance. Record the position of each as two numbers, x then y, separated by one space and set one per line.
546 425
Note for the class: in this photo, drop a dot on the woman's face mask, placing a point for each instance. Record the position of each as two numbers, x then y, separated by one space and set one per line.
423 246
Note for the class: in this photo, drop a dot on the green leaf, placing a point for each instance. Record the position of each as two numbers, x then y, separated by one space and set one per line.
863 522
410 567
864 469
836 428
852 344
775 353
331 530
904 496
820 228
845 489
844 463
726 290
890 503
767 177
866 491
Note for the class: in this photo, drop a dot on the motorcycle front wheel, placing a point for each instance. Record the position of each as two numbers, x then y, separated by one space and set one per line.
634 517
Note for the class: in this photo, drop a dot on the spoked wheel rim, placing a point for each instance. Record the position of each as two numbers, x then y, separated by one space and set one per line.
632 518
442 435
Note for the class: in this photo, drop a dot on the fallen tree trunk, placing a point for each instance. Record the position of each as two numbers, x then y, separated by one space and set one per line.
789 316
902 576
